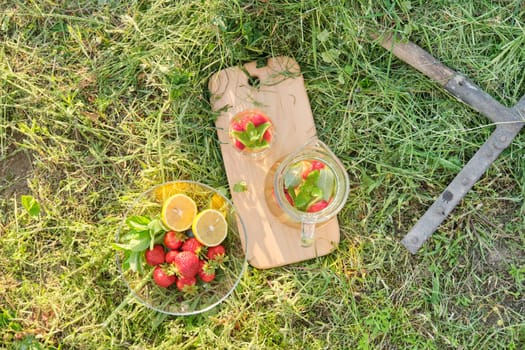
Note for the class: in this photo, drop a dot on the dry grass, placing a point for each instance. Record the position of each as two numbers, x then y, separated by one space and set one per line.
108 98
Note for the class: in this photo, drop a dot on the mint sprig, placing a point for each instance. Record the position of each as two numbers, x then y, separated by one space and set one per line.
253 136
143 233
318 185
307 193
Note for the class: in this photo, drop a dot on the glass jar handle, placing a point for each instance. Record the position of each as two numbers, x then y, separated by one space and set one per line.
307 234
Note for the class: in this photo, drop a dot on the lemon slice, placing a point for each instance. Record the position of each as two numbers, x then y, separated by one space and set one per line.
178 212
210 227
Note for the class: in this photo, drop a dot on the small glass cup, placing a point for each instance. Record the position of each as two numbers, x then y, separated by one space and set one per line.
252 133
310 187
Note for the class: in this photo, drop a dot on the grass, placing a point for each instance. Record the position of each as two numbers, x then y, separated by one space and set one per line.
102 99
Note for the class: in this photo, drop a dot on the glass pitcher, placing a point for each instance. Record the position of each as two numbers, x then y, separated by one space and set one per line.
307 188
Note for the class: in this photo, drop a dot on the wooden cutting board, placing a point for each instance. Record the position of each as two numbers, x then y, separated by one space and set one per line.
279 92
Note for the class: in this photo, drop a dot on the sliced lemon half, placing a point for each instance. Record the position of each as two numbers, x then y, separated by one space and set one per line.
210 227
178 212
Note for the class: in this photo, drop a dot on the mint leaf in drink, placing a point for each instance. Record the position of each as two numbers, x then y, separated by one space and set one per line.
242 136
326 183
311 179
308 192
261 129
301 200
316 193
253 136
293 175
251 131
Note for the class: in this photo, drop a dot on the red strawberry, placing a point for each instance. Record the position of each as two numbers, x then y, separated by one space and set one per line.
309 166
317 165
288 197
155 256
206 272
267 136
170 256
216 253
163 279
317 206
192 245
239 145
173 240
258 119
240 125
186 284
186 264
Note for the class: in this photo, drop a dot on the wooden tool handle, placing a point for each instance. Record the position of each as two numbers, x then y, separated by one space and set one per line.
509 123
417 58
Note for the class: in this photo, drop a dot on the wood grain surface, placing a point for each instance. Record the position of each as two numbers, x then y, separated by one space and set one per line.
281 94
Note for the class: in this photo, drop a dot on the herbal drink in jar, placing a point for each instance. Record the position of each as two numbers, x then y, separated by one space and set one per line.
310 187
252 133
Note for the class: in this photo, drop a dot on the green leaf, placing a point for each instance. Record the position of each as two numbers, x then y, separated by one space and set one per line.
293 175
316 193
138 223
240 186
349 69
331 56
250 130
311 180
253 136
134 241
292 194
159 239
308 192
261 129
156 229
134 261
323 36
31 205
312 177
315 196
302 200
242 136
155 226
326 183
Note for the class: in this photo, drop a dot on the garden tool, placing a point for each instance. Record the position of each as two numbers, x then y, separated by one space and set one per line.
508 121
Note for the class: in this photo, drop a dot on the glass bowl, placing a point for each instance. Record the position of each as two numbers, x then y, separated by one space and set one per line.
137 274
